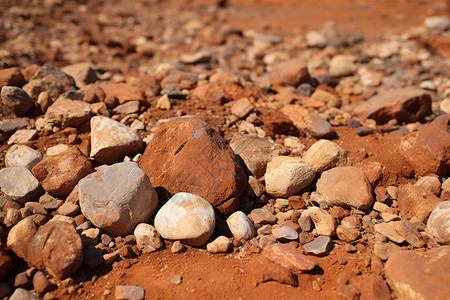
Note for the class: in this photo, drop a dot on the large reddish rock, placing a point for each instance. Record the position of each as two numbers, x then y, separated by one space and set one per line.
404 104
420 275
57 248
289 257
291 72
58 174
415 202
375 288
188 155
428 150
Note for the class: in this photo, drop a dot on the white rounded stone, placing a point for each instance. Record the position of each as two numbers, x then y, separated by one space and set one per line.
147 238
324 155
240 226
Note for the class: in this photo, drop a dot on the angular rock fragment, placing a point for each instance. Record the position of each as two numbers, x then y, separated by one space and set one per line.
22 156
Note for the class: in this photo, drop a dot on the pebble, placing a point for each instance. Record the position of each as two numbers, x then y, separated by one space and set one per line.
9 126
291 72
324 223
20 237
347 234
439 222
429 183
128 292
176 280
22 294
240 225
288 257
388 230
163 103
221 244
19 184
186 217
343 65
65 112
437 22
242 108
324 155
40 283
320 246
23 136
178 247
16 99
147 238
93 256
284 234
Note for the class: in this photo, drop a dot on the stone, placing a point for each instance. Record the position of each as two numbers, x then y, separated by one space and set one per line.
111 141
163 103
364 130
240 226
201 56
10 126
129 292
147 238
109 258
118 197
186 154
90 237
68 209
16 99
242 108
343 65
346 290
439 222
186 217
385 250
325 224
59 174
437 22
127 108
317 126
41 284
427 150
347 234
407 105
324 155
6 264
22 280
57 149
346 186
122 91
374 287
56 247
51 80
271 271
176 280
292 72
320 246
409 233
22 294
23 136
11 76
19 184
284 234
93 256
83 73
419 275
415 202
388 230
22 156
286 176
256 151
262 216
177 247
294 144
221 244
68 113
430 183
13 216
289 257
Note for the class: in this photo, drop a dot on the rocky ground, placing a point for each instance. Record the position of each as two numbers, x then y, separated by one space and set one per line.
236 150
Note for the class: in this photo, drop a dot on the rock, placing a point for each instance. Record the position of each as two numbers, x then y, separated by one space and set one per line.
111 141
430 183
220 245
286 176
40 282
13 216
294 144
289 257
11 76
324 155
16 99
117 198
22 294
292 72
68 113
83 73
316 39
178 247
202 56
374 287
93 256
364 130
22 280
270 271
22 156
176 280
68 209
122 91
90 237
385 250
325 224
163 103
415 202
186 217
343 65
347 234
109 258
147 238
437 22
242 108
320 246
427 150
262 216
241 227
284 234
409 233
56 247
6 264
186 154
10 126
318 127
129 107
19 184
256 151
128 292
23 136
417 275
439 222
346 186
59 174
403 104
57 149
347 291
49 79
388 230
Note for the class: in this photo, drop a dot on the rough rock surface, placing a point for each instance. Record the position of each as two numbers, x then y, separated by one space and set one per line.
56 247
439 222
68 113
59 174
22 156
186 154
186 217
117 198
415 202
16 99
111 140
19 184
324 155
147 238
21 236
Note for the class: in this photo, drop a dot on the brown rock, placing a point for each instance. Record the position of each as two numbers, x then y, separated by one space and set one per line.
270 271
57 248
374 287
58 174
417 275
11 76
21 236
186 154
209 93
123 92
291 72
68 113
415 202
405 105
288 257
